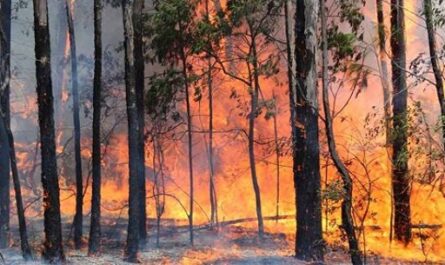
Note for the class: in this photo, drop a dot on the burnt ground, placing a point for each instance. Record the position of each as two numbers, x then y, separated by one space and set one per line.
231 245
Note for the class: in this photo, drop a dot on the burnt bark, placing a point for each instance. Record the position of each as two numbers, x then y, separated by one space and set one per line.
53 250
306 151
95 228
132 247
400 174
138 23
5 43
346 205
432 43
78 218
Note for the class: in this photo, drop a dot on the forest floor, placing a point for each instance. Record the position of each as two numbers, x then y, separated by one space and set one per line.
231 245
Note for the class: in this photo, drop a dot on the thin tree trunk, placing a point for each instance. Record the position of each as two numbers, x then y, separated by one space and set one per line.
132 247
190 141
384 69
95 229
428 9
5 50
24 244
140 92
53 250
213 198
346 205
400 174
309 240
277 157
78 218
252 116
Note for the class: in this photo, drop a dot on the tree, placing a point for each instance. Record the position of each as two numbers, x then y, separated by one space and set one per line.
5 38
400 174
95 229
432 43
132 247
306 150
346 205
172 29
53 250
138 23
78 218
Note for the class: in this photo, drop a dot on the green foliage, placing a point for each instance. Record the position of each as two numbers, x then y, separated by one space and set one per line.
161 97
171 27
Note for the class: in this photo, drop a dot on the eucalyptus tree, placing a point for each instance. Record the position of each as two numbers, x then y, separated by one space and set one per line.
95 228
172 29
401 183
53 249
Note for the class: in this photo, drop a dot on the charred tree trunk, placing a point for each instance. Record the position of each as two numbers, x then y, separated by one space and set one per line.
346 205
53 250
95 229
400 174
5 50
78 218
24 244
384 69
190 141
252 116
428 9
140 90
309 240
132 247
4 187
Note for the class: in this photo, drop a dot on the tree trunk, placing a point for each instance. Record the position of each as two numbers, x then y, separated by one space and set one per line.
78 218
140 92
277 158
133 134
5 50
252 116
400 174
346 205
384 69
24 244
309 240
95 229
190 141
212 189
428 9
53 250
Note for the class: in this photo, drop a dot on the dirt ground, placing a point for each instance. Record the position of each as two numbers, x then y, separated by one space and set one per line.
231 245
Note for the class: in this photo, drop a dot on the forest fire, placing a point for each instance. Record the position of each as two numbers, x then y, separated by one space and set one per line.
209 115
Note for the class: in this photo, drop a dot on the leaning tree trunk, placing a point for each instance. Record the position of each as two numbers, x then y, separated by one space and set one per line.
140 88
5 50
24 244
400 174
53 250
346 205
132 247
95 231
309 240
428 9
78 218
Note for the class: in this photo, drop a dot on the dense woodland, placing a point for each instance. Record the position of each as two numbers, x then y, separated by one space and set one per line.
291 129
